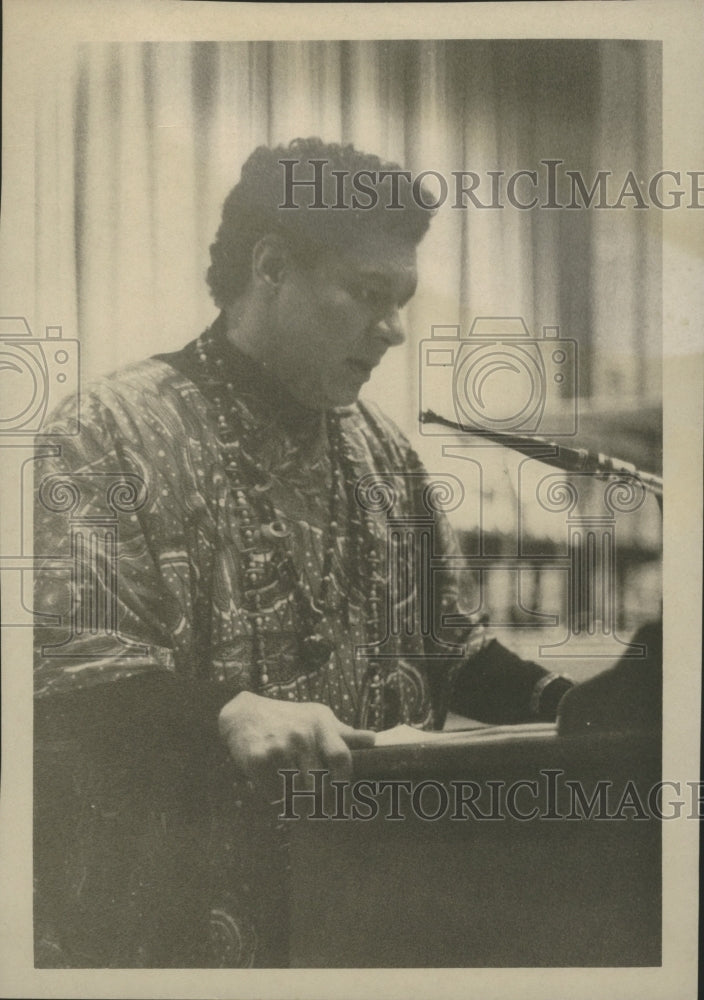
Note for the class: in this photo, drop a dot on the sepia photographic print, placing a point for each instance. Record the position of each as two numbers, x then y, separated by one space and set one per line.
351 424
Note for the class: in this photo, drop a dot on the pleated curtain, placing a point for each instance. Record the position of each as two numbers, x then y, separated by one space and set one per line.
138 144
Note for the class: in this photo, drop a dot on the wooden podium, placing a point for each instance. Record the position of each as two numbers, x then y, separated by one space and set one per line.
504 892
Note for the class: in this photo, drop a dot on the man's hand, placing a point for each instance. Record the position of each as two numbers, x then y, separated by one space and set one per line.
264 735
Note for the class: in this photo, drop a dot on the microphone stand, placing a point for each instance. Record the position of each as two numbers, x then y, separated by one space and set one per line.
568 459
617 697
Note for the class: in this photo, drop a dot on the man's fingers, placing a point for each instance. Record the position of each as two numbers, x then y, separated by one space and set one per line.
309 760
265 736
262 765
335 753
357 739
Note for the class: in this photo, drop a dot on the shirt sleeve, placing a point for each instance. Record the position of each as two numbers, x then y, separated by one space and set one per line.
482 679
109 602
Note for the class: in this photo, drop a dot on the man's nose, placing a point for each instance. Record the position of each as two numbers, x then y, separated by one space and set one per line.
392 329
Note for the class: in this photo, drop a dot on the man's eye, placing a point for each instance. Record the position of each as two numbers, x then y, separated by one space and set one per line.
374 298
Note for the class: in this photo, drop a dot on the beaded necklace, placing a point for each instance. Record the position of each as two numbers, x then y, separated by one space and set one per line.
265 536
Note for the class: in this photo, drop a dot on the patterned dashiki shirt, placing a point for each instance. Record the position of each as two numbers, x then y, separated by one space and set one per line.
149 852
140 509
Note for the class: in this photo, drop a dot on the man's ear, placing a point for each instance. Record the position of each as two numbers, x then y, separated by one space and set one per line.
270 259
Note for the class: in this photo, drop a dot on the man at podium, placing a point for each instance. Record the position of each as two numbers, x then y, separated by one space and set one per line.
224 515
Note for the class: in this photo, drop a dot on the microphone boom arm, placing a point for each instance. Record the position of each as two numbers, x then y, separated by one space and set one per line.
569 459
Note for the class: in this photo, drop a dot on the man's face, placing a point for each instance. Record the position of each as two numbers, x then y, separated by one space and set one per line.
335 320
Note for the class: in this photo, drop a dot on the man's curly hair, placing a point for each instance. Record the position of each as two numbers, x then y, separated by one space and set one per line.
252 209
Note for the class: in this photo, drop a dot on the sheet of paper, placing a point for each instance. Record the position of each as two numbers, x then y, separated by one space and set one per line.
401 735
405 734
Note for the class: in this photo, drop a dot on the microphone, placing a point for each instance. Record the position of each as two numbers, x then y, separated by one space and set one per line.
562 457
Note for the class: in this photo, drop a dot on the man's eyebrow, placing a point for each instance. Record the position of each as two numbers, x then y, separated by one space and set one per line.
374 272
412 285
384 277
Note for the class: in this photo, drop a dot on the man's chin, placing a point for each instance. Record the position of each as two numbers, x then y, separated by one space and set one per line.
345 397
328 397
